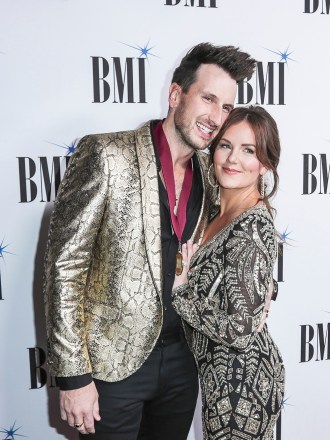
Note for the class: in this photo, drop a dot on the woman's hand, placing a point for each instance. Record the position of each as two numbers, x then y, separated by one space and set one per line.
188 250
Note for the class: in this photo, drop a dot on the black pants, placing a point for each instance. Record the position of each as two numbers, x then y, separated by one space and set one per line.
155 403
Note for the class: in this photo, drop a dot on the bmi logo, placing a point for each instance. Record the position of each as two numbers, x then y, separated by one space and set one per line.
315 174
192 3
40 178
312 6
267 85
123 80
315 342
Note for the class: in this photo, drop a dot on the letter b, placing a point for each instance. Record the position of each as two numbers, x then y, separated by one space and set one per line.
309 180
308 6
306 343
97 80
37 373
24 179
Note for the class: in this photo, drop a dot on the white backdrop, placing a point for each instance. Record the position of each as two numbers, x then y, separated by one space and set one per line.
47 48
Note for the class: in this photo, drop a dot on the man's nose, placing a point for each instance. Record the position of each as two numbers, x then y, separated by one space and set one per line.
216 116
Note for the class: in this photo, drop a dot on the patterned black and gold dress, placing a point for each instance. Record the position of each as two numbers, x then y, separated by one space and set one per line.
241 370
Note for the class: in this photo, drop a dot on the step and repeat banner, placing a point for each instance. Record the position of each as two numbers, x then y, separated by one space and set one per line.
73 67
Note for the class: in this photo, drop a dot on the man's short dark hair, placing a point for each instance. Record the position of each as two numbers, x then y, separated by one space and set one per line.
237 64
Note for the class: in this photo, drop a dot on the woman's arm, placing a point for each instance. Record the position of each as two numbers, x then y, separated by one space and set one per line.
242 279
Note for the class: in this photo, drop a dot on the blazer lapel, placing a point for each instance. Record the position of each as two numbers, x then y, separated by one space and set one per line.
150 201
209 201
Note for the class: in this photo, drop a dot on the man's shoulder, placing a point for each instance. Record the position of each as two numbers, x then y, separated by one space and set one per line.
107 138
114 140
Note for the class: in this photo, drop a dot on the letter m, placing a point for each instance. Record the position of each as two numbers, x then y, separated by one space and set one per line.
120 79
324 173
50 181
263 81
323 341
327 6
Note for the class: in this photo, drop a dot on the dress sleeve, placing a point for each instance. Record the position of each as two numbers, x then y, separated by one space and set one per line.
74 226
226 301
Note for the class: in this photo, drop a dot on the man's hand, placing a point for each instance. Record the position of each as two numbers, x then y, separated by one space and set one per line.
80 407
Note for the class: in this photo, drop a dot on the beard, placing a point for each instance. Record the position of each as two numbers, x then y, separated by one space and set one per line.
185 129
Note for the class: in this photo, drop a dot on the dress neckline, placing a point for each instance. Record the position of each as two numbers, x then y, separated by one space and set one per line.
243 214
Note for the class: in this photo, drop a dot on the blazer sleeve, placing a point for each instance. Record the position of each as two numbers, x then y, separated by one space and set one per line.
229 311
74 226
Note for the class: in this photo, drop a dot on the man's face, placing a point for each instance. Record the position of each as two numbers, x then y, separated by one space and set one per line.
199 113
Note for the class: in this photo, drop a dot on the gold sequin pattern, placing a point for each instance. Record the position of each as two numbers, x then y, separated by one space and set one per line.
241 371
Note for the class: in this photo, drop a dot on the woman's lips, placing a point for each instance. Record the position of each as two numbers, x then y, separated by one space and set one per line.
230 170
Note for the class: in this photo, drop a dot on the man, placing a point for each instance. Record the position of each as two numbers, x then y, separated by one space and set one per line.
127 202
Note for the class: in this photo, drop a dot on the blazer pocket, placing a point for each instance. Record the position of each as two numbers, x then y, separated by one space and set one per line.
102 312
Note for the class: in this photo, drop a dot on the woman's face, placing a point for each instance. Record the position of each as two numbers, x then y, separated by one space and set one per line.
235 161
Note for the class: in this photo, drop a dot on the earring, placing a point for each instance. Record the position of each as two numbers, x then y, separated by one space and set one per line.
214 185
262 186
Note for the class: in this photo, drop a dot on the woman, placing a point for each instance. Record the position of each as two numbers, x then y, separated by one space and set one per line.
223 295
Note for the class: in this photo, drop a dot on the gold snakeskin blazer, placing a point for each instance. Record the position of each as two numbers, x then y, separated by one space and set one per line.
103 272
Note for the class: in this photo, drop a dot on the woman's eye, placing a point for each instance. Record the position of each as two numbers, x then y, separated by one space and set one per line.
224 146
207 98
249 150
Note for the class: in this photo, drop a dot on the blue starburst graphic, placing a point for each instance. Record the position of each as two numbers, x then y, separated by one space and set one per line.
285 403
3 251
285 55
284 236
11 433
70 149
2 256
143 50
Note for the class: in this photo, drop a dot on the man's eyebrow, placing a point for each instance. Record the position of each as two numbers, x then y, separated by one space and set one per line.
213 96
